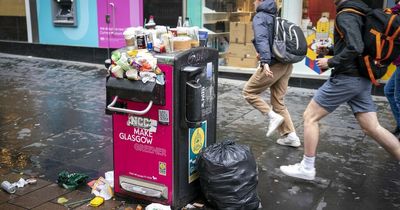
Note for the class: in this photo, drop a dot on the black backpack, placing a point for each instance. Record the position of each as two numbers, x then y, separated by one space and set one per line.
381 34
290 44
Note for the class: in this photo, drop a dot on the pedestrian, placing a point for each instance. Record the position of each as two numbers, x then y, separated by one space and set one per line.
344 85
270 74
392 87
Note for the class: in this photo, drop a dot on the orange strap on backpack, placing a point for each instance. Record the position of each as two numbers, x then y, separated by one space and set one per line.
370 73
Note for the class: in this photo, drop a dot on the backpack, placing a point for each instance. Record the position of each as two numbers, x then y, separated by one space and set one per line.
381 34
290 44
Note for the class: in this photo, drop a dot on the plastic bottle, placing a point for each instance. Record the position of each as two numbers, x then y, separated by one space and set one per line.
179 24
323 28
186 23
151 24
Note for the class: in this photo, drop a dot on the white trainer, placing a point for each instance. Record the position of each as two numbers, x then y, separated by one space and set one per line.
289 141
274 123
297 170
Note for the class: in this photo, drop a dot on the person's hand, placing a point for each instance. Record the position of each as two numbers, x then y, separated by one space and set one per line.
322 50
268 71
258 56
322 63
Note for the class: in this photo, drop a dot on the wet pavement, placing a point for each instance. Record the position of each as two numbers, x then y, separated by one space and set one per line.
52 119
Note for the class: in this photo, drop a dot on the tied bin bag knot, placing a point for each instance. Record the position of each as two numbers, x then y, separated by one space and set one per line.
229 176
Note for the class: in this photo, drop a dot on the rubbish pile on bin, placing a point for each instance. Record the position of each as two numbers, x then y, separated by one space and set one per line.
135 65
136 61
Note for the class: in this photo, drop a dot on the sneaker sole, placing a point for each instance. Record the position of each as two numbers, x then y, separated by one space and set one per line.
297 175
290 145
278 124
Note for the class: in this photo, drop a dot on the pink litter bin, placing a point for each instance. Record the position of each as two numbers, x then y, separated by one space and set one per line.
160 128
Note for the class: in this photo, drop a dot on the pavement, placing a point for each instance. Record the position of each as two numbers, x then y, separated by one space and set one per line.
52 119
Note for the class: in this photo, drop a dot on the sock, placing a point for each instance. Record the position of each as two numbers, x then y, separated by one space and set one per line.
293 135
308 162
271 114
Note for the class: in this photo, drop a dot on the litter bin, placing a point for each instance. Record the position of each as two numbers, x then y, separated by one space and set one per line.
159 130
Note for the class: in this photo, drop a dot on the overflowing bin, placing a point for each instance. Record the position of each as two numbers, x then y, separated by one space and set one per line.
159 129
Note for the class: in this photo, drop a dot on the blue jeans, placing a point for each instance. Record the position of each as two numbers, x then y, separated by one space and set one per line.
392 93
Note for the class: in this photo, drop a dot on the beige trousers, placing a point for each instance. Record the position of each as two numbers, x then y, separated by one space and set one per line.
278 85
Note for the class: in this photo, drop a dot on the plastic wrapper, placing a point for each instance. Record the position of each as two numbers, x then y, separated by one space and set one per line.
71 180
229 176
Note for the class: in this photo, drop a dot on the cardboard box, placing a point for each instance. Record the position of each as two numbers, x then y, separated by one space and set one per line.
249 33
242 50
245 5
241 32
242 62
241 17
237 33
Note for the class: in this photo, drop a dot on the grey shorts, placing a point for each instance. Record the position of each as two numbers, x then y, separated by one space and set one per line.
356 91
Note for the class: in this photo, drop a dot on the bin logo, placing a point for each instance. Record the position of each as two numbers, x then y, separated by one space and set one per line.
197 141
142 122
162 168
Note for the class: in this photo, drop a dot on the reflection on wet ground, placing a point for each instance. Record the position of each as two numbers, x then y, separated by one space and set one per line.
52 119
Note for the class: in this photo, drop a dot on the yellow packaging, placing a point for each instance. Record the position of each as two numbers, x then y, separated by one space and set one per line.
96 201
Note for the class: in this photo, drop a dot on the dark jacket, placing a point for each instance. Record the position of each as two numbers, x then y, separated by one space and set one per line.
348 50
263 27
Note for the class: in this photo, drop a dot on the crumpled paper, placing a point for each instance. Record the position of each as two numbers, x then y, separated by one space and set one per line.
20 183
102 188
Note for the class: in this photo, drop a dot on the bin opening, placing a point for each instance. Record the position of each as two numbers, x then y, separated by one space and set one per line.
135 91
143 187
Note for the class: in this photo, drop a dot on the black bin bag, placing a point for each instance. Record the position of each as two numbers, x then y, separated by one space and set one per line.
229 176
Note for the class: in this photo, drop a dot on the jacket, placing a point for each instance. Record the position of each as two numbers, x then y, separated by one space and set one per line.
347 50
263 27
396 10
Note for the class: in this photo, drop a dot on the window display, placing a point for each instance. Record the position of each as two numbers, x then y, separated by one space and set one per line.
164 12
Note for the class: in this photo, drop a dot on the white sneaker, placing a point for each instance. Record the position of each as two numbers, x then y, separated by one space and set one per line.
297 170
289 141
274 123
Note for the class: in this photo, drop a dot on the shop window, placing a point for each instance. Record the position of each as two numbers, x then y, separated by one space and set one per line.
318 25
13 20
164 12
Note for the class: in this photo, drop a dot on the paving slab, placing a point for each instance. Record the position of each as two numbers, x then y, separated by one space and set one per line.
39 197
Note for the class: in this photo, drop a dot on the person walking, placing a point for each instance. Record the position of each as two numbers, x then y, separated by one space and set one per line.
392 87
345 85
270 74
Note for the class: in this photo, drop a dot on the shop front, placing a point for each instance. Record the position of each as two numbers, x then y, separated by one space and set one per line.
231 31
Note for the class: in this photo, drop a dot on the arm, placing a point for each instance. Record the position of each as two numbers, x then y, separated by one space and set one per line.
350 24
261 38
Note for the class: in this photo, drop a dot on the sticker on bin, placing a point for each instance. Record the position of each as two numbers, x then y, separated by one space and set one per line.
142 122
163 116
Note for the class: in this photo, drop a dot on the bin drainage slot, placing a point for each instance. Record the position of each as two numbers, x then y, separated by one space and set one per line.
143 187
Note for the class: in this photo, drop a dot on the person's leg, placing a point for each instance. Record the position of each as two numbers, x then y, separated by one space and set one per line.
335 91
370 125
257 84
390 93
313 114
278 92
288 135
306 169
